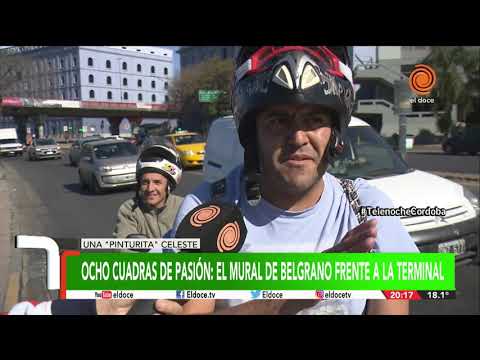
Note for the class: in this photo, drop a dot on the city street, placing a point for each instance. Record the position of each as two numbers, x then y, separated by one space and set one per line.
73 212
47 200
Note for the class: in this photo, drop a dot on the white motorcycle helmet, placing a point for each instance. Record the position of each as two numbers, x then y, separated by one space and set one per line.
162 160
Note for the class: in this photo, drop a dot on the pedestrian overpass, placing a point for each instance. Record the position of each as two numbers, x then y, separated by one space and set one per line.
37 111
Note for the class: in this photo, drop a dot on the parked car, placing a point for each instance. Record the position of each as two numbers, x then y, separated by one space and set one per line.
107 164
368 156
190 147
468 140
44 149
76 148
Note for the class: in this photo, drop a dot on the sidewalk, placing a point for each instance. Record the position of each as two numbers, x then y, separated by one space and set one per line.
22 272
9 272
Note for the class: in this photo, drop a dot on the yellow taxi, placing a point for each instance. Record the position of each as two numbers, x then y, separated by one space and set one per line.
190 146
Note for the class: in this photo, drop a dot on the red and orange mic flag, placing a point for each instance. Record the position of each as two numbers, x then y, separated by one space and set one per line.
220 227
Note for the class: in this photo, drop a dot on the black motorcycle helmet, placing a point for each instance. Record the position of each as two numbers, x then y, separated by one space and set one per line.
279 75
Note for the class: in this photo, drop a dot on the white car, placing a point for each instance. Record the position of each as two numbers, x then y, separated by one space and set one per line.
9 143
368 156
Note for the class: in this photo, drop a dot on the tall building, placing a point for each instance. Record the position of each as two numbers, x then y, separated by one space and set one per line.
95 73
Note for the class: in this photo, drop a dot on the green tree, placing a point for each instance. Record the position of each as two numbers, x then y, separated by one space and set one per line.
457 69
213 74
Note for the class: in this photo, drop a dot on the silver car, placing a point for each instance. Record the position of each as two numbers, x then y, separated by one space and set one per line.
107 164
44 149
76 149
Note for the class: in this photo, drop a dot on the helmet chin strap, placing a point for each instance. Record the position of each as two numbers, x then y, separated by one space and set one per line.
335 146
252 171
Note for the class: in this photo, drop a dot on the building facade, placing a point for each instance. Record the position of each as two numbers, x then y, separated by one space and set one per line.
96 73
377 81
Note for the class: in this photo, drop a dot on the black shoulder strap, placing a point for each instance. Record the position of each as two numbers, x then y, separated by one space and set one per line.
353 198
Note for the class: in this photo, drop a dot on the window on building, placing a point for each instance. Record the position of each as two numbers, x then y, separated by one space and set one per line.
165 86
50 66
62 64
166 98
152 69
124 65
139 68
92 94
140 97
90 62
76 94
125 82
62 80
109 95
125 96
64 95
75 79
108 64
154 98
74 61
90 79
153 84
224 53
165 71
50 84
109 80
139 83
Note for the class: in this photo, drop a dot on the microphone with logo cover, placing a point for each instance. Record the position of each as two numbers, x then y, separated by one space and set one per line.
219 226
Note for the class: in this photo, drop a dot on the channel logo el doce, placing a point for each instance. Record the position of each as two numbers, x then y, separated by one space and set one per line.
422 79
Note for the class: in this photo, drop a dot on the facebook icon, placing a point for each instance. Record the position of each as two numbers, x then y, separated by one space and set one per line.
180 294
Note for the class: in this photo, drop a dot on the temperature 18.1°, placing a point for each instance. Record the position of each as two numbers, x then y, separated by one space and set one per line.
437 294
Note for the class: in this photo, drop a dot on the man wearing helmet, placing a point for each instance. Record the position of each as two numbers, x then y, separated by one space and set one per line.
292 105
152 212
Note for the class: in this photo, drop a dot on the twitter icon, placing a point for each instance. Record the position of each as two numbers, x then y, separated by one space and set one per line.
255 293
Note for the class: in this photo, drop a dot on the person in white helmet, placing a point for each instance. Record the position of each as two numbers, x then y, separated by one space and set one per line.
153 209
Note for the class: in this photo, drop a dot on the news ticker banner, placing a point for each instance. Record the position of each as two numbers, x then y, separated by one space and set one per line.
411 295
143 273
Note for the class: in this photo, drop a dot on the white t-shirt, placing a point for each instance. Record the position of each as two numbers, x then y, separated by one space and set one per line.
316 229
